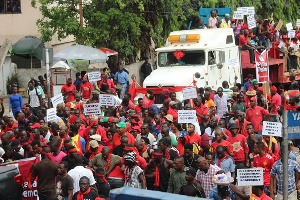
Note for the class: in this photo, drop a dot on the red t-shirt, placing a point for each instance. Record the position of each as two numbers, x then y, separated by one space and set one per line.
255 116
174 113
290 107
69 89
276 99
200 110
243 40
266 162
243 130
188 139
86 89
224 143
239 146
138 109
117 139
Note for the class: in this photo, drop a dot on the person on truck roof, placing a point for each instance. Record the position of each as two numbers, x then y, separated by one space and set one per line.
213 21
226 22
201 24
243 42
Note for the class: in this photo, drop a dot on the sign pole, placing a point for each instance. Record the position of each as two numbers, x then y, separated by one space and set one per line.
285 155
48 77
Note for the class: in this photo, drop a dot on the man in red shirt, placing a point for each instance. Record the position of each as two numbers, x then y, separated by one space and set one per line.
192 137
138 108
243 42
220 141
86 89
239 145
121 127
69 89
173 110
265 161
255 114
276 100
200 108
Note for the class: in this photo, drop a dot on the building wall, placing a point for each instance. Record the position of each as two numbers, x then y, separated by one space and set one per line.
8 68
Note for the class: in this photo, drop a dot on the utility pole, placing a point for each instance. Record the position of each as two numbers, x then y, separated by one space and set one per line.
81 19
285 156
48 76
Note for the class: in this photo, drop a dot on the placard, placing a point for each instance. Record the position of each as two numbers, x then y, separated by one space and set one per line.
51 114
106 100
250 177
187 116
234 62
279 25
238 15
243 10
289 26
250 11
251 22
93 108
291 33
298 23
189 93
272 129
94 76
58 99
293 125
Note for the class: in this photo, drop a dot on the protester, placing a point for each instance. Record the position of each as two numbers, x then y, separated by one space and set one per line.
64 182
15 101
177 176
85 191
192 188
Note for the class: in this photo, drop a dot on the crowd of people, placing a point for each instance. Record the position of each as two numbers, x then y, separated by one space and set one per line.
143 146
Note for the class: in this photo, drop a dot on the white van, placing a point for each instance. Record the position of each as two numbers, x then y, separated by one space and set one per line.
205 51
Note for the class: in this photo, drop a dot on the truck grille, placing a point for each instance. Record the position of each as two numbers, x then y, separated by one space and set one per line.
159 99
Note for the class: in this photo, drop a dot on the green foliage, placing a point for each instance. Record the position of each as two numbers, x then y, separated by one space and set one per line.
11 82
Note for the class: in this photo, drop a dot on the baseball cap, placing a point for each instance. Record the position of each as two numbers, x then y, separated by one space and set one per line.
233 126
105 119
121 125
136 128
94 144
96 137
36 125
284 37
252 99
169 117
172 103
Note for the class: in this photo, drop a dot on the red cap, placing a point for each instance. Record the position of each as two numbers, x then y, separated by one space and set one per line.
36 125
260 88
284 37
110 119
136 128
252 99
273 89
24 106
204 140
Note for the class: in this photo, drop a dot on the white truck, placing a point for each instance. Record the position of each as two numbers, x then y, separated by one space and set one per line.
206 51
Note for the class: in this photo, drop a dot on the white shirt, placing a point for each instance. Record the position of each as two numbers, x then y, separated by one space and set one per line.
79 172
33 95
282 46
221 103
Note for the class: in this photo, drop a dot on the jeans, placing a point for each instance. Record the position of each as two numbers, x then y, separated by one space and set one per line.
266 190
115 183
264 42
251 52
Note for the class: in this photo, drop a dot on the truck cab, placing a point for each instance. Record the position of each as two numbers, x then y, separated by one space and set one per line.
189 52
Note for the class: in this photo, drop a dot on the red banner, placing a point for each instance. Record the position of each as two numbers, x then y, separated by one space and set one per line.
25 169
262 66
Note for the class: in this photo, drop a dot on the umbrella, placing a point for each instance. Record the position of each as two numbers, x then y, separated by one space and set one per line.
81 52
108 52
61 65
29 45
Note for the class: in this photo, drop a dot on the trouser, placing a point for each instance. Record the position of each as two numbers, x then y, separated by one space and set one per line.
266 190
115 183
264 42
292 196
251 52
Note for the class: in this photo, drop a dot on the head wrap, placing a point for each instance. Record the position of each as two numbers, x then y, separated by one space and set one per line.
130 156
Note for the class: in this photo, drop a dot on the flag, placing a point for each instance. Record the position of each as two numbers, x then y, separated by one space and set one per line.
262 66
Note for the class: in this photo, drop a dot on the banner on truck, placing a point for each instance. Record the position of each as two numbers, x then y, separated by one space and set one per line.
262 66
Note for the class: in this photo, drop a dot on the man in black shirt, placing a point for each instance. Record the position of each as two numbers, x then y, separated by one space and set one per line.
64 182
205 123
70 158
251 140
146 68
102 184
190 159
119 150
85 191
10 154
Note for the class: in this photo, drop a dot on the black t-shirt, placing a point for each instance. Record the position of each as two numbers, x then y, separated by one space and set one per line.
33 119
14 156
72 162
90 196
119 150
103 189
63 185
194 190
203 127
191 163
173 155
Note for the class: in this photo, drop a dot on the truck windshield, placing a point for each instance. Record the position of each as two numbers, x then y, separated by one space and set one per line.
166 59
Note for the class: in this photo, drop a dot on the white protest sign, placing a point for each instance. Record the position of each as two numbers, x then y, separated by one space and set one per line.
250 10
94 76
291 33
233 62
250 177
187 116
106 100
189 93
298 23
272 129
289 26
57 100
93 108
238 15
243 10
251 22
51 114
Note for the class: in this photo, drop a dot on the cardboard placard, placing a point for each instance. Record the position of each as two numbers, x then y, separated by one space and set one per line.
51 114
234 62
238 15
93 108
289 26
279 25
250 10
187 116
106 100
251 22
291 33
272 129
58 99
189 93
250 177
298 23
94 76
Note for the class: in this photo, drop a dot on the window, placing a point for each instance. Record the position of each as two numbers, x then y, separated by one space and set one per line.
229 39
24 62
211 58
166 59
10 6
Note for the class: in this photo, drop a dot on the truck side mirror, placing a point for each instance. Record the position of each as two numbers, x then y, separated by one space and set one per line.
221 56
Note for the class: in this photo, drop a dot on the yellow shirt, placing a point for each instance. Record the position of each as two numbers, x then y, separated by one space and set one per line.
225 25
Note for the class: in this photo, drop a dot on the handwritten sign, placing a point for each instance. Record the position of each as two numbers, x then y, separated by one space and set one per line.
272 129
291 33
93 108
58 99
251 22
106 100
298 23
51 114
250 10
187 116
279 25
233 62
238 15
289 26
189 93
243 10
94 76
250 177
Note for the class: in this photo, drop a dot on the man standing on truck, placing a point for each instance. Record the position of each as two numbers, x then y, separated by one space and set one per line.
146 68
243 42
122 80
